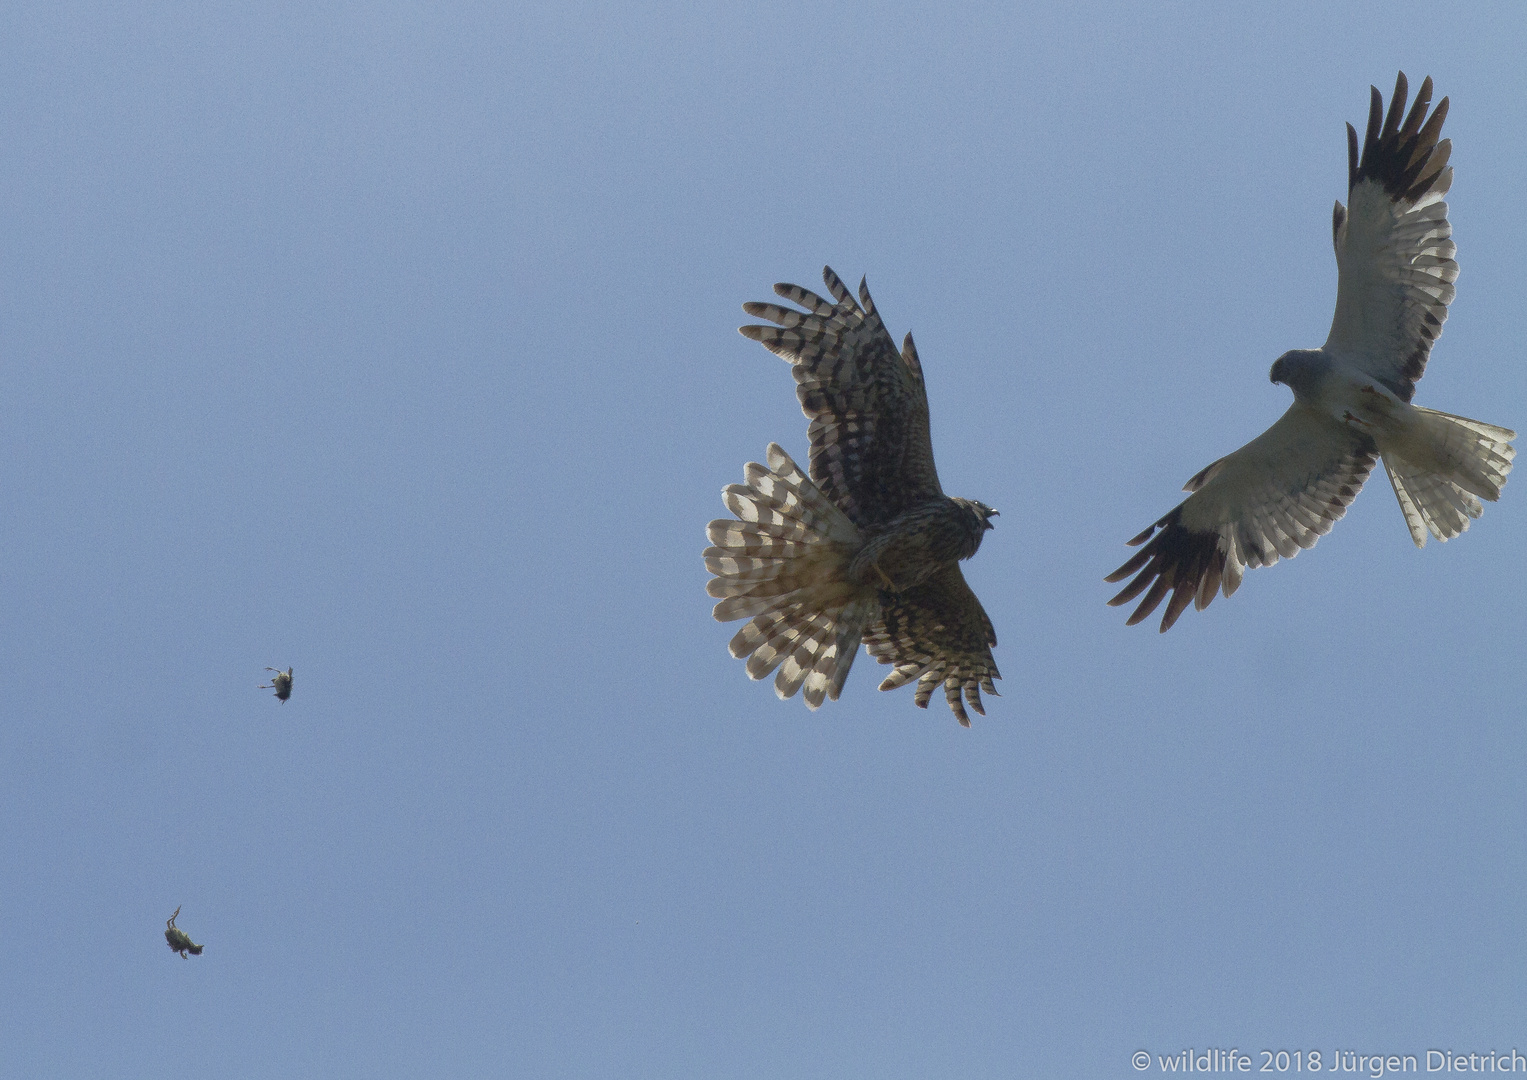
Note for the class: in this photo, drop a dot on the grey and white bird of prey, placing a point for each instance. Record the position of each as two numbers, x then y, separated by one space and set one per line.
1352 396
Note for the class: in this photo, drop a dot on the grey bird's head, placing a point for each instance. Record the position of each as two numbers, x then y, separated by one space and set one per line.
1300 370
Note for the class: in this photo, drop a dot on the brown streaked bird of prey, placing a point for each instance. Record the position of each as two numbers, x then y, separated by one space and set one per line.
178 940
281 683
1285 489
866 549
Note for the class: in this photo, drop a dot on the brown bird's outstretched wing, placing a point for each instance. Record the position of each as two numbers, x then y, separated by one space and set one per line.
936 632
870 449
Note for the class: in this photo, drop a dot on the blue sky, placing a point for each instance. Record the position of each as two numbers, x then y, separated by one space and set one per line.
396 343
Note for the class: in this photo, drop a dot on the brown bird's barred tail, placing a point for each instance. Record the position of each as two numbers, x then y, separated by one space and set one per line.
783 565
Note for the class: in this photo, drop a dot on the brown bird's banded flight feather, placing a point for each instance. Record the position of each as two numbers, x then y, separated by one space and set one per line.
870 449
867 548
913 634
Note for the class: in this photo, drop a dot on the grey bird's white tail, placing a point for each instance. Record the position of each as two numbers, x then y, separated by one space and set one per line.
784 564
1441 477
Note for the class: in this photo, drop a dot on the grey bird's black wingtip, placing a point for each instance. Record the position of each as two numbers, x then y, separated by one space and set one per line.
1176 560
1406 157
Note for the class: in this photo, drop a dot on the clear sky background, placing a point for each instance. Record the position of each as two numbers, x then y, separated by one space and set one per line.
397 343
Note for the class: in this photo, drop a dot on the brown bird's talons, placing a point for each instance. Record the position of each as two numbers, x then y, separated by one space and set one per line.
1351 419
889 584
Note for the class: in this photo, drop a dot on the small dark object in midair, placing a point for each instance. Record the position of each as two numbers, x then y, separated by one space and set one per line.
178 939
281 683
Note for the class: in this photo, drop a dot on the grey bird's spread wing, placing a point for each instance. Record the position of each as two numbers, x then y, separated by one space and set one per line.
870 449
1277 494
1394 248
936 633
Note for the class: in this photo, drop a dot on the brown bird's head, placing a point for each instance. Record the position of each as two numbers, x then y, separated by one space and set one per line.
979 520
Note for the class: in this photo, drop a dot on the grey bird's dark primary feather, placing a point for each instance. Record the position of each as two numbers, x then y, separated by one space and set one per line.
1404 164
